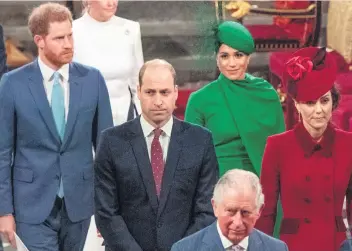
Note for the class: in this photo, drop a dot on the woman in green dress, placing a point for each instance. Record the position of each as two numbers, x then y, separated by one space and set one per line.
239 109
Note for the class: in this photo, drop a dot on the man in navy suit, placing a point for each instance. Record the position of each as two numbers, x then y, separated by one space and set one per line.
3 67
52 112
237 202
154 175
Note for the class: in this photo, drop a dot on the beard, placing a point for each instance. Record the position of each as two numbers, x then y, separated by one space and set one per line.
58 59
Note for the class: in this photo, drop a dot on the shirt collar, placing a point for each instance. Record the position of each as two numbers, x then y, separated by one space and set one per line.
148 128
309 146
47 72
227 243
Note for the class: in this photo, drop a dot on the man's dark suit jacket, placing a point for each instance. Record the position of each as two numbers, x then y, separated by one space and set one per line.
3 67
128 213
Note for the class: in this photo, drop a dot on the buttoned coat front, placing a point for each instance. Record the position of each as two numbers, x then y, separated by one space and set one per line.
312 180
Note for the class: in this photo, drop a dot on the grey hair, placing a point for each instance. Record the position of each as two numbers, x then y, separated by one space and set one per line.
240 181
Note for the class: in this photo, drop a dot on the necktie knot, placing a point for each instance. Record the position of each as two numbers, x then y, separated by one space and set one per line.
56 77
157 133
237 248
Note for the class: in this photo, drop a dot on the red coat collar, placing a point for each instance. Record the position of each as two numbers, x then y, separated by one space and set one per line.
309 146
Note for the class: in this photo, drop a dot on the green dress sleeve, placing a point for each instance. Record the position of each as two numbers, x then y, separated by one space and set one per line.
193 113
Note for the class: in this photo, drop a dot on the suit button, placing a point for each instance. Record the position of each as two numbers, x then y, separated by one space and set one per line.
306 220
159 225
57 177
61 153
307 178
307 200
327 177
327 198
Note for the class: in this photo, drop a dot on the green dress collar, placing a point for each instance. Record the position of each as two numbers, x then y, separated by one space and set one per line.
256 111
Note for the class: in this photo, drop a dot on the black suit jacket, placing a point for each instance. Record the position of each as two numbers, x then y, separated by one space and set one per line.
3 67
128 213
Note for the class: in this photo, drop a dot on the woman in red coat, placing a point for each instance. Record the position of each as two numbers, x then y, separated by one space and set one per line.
310 166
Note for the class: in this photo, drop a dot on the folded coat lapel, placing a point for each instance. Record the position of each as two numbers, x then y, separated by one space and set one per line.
173 155
140 150
36 87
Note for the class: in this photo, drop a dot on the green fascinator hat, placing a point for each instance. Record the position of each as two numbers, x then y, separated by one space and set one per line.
236 36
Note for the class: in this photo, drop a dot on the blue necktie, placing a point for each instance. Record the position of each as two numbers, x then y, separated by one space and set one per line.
58 109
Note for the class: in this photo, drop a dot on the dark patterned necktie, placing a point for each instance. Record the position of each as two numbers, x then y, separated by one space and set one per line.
157 160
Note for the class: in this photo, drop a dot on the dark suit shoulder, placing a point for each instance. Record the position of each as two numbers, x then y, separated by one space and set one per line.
193 240
269 240
84 69
18 76
23 70
195 134
118 130
194 127
123 131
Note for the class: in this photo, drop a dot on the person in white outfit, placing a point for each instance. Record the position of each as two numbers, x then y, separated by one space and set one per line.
112 45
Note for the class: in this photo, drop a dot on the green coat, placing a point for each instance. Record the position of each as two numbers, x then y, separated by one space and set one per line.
241 115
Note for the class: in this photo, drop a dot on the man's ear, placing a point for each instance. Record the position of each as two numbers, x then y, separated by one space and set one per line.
214 207
260 210
139 91
176 91
39 41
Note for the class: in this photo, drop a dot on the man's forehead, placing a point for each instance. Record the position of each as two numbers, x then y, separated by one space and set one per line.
239 197
156 87
159 70
60 27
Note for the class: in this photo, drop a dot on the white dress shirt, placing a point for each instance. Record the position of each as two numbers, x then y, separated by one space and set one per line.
227 244
148 132
48 81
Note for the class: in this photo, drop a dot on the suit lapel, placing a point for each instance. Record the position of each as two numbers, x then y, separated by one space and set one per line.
211 239
140 150
36 87
173 155
75 99
255 242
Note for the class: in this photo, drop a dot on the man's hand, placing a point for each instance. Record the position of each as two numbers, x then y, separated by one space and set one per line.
8 229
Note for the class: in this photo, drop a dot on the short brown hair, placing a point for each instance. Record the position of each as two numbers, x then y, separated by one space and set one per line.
335 95
156 63
44 14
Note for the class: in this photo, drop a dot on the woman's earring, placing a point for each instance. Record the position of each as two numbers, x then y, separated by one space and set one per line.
299 116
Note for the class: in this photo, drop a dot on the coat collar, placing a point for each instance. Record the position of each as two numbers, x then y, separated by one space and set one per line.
309 146
212 240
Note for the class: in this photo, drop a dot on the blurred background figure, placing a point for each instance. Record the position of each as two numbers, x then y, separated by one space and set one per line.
112 45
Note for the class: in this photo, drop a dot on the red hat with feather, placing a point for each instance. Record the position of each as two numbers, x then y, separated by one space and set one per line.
309 74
